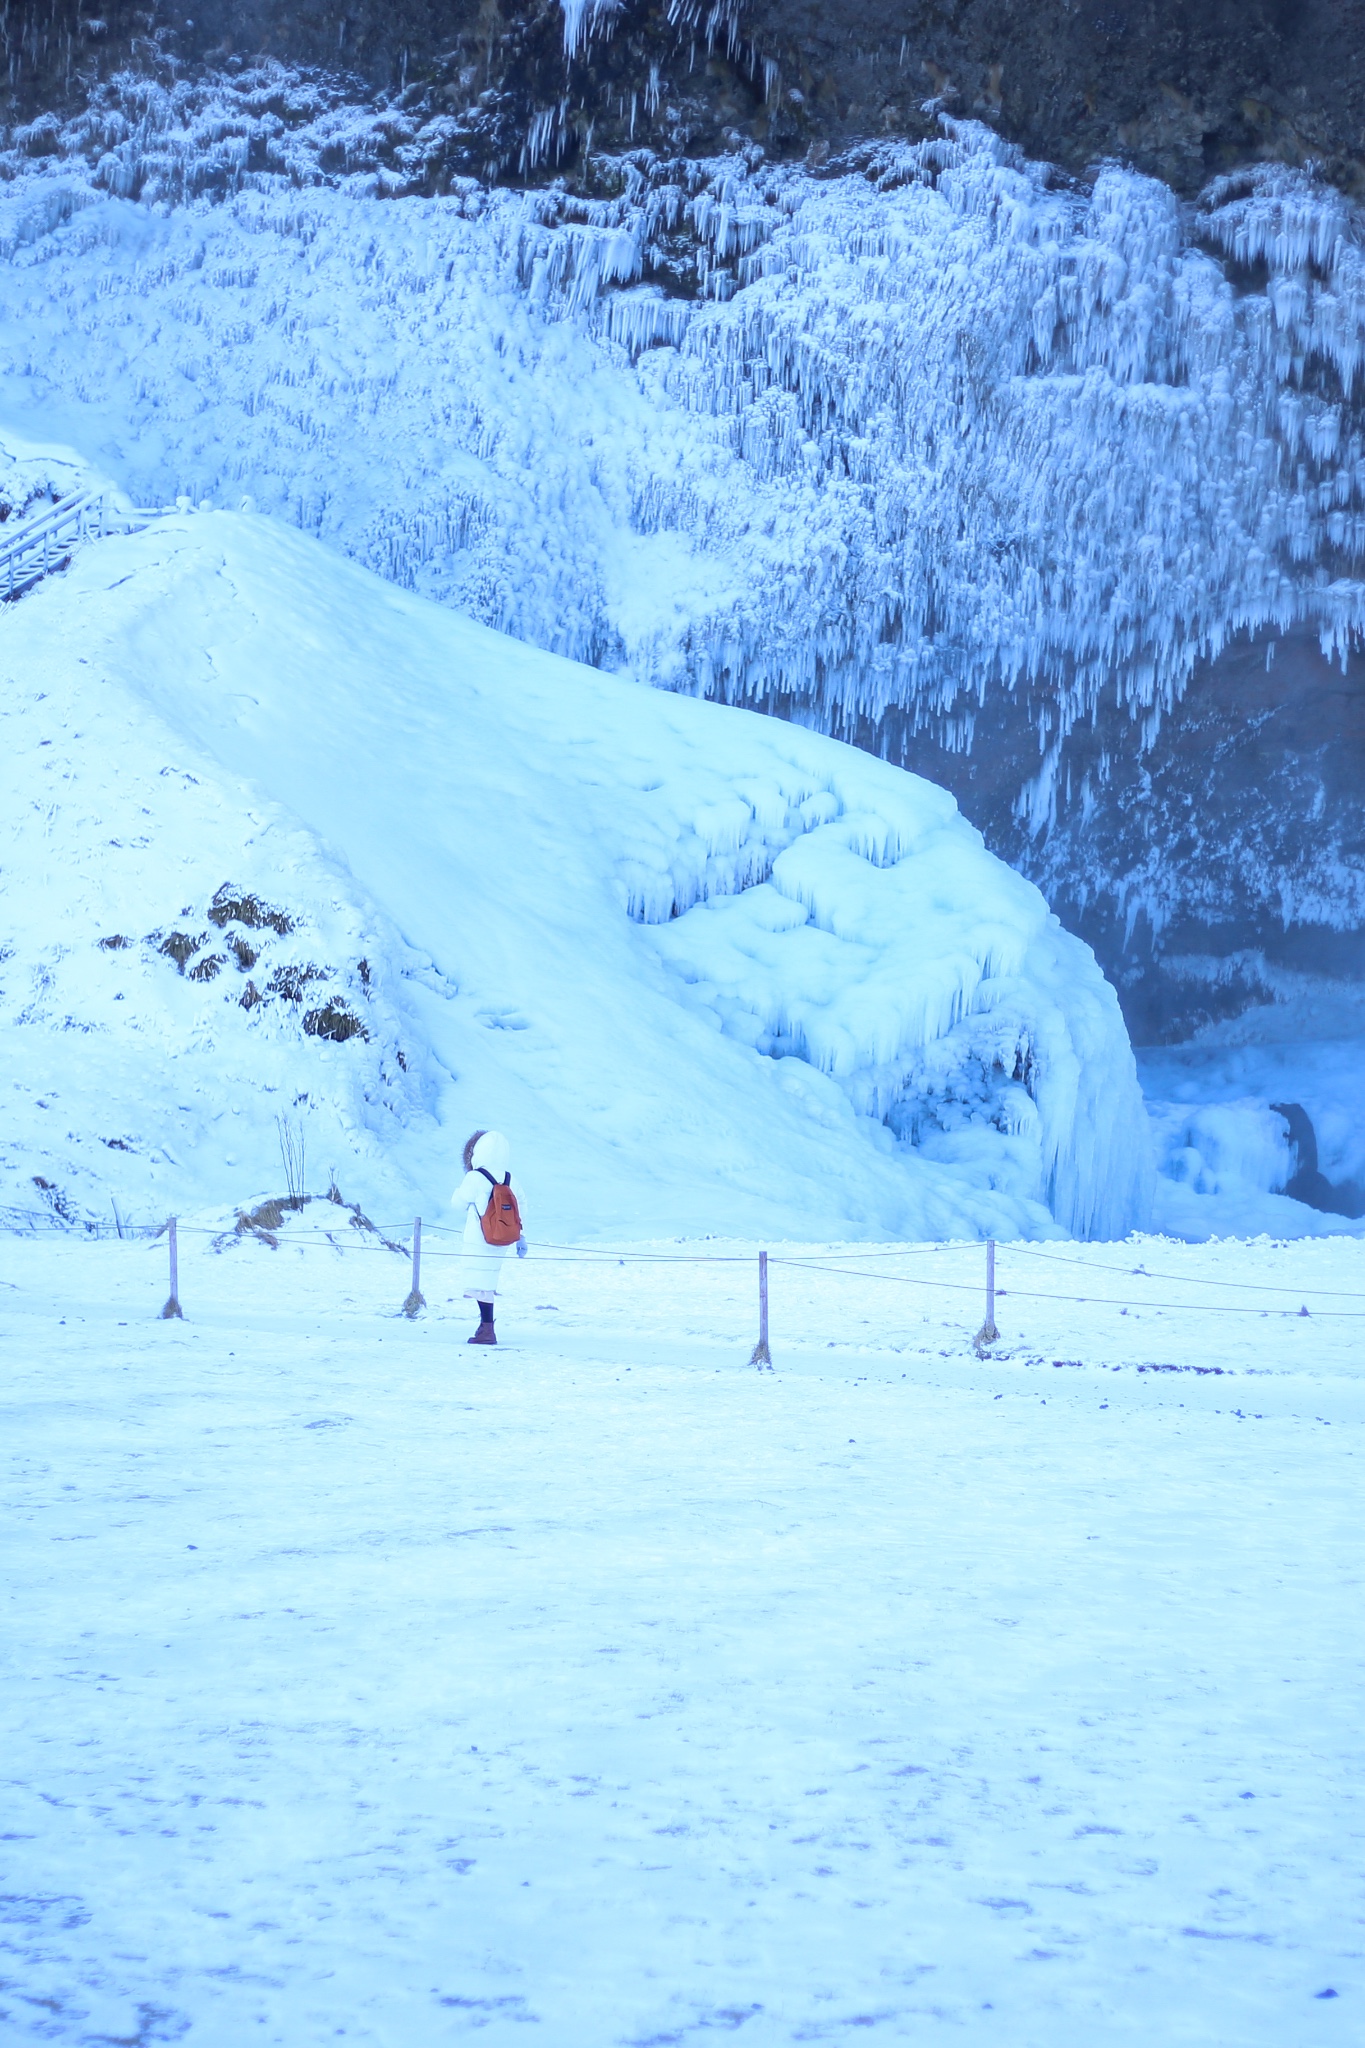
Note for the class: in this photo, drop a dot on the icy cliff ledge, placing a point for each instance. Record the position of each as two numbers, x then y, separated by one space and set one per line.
704 966
886 440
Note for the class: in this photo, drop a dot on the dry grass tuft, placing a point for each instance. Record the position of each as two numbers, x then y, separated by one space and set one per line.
238 906
334 1021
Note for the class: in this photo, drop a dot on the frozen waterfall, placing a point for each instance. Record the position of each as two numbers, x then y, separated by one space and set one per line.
899 434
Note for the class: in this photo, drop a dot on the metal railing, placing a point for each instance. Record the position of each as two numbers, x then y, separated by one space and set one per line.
43 544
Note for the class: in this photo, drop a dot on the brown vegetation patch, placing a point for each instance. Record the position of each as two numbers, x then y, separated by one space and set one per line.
179 946
55 1199
291 980
266 1220
238 906
334 1021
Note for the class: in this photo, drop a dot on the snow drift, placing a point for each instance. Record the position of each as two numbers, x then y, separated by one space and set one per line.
290 843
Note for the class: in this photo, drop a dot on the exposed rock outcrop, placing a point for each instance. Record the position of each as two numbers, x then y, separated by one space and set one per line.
1180 88
1218 867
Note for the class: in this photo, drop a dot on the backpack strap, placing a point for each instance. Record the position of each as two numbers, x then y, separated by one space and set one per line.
488 1176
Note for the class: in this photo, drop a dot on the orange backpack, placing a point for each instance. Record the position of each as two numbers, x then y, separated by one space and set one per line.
501 1220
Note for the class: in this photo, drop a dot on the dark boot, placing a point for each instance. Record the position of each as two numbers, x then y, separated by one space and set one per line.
485 1333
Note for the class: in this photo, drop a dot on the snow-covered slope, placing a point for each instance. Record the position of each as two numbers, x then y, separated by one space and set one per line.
287 842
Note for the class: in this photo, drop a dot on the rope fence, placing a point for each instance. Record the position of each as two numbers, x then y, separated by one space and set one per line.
851 1265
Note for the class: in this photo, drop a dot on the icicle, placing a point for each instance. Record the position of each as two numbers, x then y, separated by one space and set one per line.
896 437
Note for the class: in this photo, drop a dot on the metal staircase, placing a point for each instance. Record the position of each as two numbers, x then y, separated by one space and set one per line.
44 544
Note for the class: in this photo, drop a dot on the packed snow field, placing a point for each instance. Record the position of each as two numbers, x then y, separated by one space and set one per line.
364 1687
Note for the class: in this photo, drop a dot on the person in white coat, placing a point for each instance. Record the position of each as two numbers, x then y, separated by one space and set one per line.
486 1170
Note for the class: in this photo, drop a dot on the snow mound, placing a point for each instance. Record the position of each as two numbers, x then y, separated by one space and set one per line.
293 844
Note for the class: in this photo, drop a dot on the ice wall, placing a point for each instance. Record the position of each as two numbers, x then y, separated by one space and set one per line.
923 426
827 911
1041 434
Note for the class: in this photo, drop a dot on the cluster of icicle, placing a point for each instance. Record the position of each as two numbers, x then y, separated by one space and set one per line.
1038 434
710 21
922 427
245 130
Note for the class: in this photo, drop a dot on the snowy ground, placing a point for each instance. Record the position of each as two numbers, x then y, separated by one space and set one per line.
366 1688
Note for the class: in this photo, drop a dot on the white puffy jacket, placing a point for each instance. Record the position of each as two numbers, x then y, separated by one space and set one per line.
481 1262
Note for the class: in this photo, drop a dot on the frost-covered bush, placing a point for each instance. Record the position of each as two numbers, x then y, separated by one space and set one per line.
33 479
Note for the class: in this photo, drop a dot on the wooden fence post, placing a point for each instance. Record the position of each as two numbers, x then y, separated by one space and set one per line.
415 1300
172 1307
761 1356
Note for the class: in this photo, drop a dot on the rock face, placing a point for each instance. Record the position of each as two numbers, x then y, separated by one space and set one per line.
1179 88
1221 866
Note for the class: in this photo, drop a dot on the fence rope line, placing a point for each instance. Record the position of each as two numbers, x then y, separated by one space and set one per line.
1212 1308
336 1240
593 1251
97 1228
1028 1251
913 1251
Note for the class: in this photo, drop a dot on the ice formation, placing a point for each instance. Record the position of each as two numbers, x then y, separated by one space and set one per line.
292 842
1216 1148
923 426
582 19
711 21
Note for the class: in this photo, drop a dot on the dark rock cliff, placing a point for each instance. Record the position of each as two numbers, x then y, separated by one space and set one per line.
1219 866
1180 88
